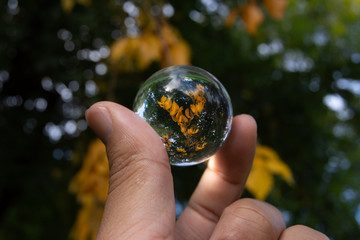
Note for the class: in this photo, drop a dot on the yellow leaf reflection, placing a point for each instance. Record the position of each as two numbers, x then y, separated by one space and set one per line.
181 150
184 118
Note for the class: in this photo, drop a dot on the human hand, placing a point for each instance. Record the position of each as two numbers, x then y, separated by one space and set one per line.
140 202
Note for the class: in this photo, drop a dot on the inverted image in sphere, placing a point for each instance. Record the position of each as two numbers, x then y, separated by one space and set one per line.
189 109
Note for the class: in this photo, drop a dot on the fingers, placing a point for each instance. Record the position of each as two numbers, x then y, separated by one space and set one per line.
249 219
140 202
222 182
300 232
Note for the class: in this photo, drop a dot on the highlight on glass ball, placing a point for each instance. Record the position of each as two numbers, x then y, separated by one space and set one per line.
189 109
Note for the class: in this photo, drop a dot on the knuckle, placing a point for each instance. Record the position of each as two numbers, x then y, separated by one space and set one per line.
302 232
248 212
252 218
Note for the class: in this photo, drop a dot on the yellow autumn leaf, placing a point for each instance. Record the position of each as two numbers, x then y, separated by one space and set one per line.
183 119
124 53
260 181
193 109
94 168
149 50
180 118
81 227
158 42
188 114
200 87
252 17
274 164
167 104
199 108
175 50
87 220
90 185
135 53
169 34
266 163
192 131
180 53
174 109
67 5
276 8
200 146
118 48
162 101
181 150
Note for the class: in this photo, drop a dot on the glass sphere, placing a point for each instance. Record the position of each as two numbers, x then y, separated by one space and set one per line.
189 109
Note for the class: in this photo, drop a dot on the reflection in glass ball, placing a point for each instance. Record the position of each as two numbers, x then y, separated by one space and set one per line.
189 109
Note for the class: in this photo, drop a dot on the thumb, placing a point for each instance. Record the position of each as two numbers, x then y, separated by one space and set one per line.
140 202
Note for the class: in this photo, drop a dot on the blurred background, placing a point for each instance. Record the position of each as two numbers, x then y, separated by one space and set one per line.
293 65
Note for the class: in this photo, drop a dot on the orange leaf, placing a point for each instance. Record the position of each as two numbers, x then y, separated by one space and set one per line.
252 17
124 53
174 109
230 20
183 119
192 131
169 34
200 87
193 109
199 108
179 113
187 113
149 50
181 150
180 53
167 104
175 50
136 53
276 8
162 101
200 146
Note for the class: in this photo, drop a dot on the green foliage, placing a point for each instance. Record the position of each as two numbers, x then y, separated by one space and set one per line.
283 76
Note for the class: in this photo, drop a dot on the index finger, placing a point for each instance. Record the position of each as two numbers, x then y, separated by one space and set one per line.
222 182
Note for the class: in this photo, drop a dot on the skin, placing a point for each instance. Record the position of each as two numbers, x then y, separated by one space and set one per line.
141 205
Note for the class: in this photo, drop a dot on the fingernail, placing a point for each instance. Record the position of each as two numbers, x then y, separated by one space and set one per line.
100 122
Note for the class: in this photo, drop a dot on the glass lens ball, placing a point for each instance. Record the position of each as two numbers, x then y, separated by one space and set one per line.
189 109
